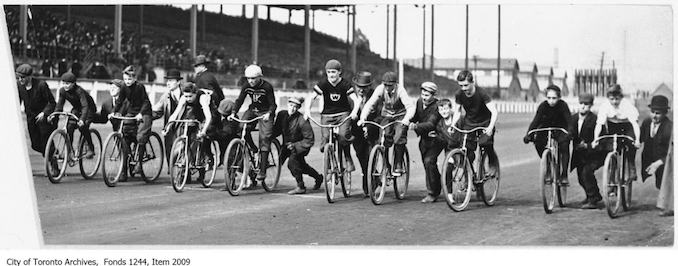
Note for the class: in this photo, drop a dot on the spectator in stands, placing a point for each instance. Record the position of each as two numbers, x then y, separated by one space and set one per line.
76 67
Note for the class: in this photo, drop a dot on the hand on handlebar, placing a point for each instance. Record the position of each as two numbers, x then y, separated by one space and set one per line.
636 144
266 116
40 117
594 144
405 123
81 123
527 139
230 117
361 123
488 131
138 117
354 116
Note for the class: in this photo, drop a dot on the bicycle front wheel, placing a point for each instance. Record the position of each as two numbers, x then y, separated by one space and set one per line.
547 180
179 164
114 159
489 187
402 182
376 181
56 155
273 170
611 184
627 187
330 172
236 166
89 164
152 160
210 165
455 181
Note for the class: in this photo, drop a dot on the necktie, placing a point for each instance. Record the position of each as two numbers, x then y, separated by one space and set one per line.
653 132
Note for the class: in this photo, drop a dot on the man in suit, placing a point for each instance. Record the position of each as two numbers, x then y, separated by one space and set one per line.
364 138
584 158
655 134
38 105
108 105
167 104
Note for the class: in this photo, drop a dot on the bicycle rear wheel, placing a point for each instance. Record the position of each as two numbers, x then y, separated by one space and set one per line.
153 159
114 159
611 185
89 165
376 181
236 166
401 182
211 163
547 180
179 164
455 181
273 170
57 152
330 172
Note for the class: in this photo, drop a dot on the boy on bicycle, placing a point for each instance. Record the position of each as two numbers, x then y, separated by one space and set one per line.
397 105
83 107
619 116
263 104
336 92
480 112
552 112
139 107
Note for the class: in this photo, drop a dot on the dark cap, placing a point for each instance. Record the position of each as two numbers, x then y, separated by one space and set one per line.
659 102
200 60
24 70
189 87
130 70
296 100
173 74
615 90
586 98
333 64
225 107
117 82
363 79
68 77
389 78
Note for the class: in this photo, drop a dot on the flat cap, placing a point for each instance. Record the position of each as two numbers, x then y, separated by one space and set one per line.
24 70
68 77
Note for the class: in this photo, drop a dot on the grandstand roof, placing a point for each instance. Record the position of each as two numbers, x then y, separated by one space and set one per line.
334 8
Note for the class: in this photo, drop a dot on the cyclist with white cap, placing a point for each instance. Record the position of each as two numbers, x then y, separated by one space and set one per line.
263 104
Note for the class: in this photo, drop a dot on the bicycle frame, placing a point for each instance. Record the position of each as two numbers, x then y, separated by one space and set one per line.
333 133
71 150
465 150
549 141
244 133
186 123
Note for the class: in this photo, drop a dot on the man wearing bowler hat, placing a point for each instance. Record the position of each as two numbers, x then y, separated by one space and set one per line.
655 134
38 104
364 138
206 81
584 158
167 104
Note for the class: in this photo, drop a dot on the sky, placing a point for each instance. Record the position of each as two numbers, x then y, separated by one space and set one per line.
638 38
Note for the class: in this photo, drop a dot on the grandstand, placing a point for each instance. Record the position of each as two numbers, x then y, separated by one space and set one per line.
88 37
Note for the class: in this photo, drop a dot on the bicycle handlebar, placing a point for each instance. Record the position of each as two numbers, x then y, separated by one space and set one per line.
384 126
613 136
468 131
329 126
548 129
246 121
123 117
75 117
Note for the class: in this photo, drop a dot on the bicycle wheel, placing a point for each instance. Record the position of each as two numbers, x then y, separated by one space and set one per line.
489 187
89 165
273 170
152 160
179 164
236 166
344 176
547 180
402 182
114 159
376 181
455 180
57 152
611 185
627 187
210 165
330 172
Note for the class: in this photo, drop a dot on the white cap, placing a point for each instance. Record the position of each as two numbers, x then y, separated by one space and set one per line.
253 71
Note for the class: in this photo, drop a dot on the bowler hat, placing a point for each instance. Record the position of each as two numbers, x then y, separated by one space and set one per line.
225 107
173 74
68 77
389 78
363 79
586 98
24 70
200 60
659 102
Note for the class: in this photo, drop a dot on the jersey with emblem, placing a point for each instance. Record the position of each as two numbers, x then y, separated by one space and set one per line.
335 98
261 95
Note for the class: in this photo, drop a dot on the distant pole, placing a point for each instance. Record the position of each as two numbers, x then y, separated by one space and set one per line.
348 31
117 30
141 20
243 11
307 44
498 45
466 57
432 38
354 51
68 13
388 33
268 13
289 16
194 29
313 19
203 26
423 38
255 35
221 14
23 27
395 38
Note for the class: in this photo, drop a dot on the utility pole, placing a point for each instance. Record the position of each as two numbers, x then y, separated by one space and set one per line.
466 57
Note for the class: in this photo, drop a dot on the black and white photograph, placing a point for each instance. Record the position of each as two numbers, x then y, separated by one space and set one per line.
379 125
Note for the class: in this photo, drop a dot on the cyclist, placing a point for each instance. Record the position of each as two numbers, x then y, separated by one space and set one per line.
480 112
619 116
424 123
397 105
139 106
194 104
584 157
297 142
336 92
263 104
364 138
552 112
83 107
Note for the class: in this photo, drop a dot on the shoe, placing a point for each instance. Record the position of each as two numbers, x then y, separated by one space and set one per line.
261 176
586 200
322 149
318 183
138 169
199 180
297 190
428 199
252 186
666 213
589 206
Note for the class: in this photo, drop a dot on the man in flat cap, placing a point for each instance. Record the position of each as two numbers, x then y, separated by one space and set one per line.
38 104
584 158
655 134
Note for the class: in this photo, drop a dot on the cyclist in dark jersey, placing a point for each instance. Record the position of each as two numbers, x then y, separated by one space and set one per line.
83 107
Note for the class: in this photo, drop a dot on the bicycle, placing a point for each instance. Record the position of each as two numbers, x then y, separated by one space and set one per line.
617 182
334 169
457 188
240 163
59 152
118 155
549 171
183 165
380 173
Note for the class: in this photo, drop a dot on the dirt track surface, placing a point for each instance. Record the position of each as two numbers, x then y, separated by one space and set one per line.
87 212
